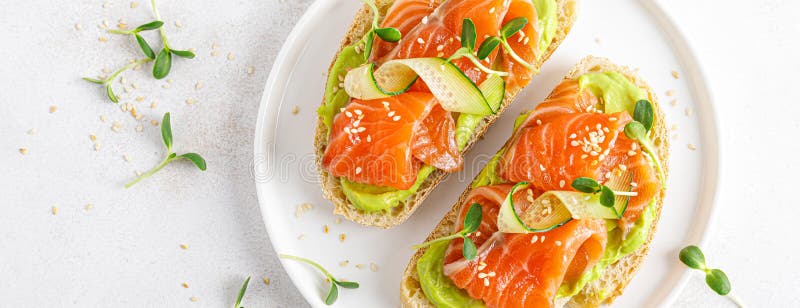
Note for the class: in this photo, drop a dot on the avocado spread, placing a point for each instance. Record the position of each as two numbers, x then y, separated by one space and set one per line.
617 94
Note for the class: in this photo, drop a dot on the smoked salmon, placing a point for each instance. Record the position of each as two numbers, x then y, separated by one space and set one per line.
521 270
366 145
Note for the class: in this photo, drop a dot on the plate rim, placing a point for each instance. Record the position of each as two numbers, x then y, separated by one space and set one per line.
282 67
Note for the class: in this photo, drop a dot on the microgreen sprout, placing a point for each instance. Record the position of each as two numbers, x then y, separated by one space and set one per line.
164 58
467 50
591 186
638 130
508 30
238 303
146 49
471 223
716 279
106 82
166 135
388 34
333 293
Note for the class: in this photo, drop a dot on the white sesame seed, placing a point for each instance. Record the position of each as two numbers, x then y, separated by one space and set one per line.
688 112
673 103
486 282
492 274
561 183
558 243
425 20
230 56
675 74
390 114
542 240
534 239
358 170
691 147
482 275
491 11
538 122
670 92
396 118
198 85
369 138
573 136
420 40
178 24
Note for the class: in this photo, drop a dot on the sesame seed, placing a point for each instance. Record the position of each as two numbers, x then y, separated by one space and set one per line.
481 265
673 103
126 157
190 101
390 114
688 112
534 239
420 40
526 40
325 229
538 122
373 267
558 243
250 70
88 207
542 240
230 56
96 147
78 26
102 39
486 282
185 285
266 281
295 110
302 209
691 147
574 143
139 127
541 167
53 108
214 53
55 210
440 47
23 151
670 92
482 275
360 266
301 237
385 104
178 24
369 138
573 136
675 74
193 298
342 237
184 246
344 263
358 170
396 118
338 220
631 153
491 11
623 167
425 20
561 183
492 274
116 126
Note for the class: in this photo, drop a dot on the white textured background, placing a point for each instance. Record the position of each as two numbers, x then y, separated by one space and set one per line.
125 251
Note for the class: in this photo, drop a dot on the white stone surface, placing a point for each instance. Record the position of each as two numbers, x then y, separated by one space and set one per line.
126 251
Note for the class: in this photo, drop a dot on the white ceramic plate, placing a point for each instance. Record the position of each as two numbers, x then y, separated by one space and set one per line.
633 33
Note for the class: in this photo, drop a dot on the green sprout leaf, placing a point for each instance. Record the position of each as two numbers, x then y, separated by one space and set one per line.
163 64
635 130
388 34
183 53
606 196
469 249
92 80
513 26
586 185
643 113
718 281
145 47
333 294
473 219
110 93
370 37
238 303
487 46
468 34
166 131
196 159
693 257
347 284
149 26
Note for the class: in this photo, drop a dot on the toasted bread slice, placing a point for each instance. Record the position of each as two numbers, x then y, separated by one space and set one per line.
567 12
617 275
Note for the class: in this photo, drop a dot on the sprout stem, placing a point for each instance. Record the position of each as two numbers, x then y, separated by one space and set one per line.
124 68
151 171
309 262
517 57
736 300
441 239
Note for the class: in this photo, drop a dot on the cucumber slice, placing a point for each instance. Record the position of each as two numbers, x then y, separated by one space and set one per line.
555 208
454 90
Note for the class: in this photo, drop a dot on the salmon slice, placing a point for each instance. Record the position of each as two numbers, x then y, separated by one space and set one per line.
435 141
375 141
521 270
524 43
403 15
565 138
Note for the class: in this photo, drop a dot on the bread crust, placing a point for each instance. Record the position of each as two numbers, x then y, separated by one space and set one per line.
331 187
617 275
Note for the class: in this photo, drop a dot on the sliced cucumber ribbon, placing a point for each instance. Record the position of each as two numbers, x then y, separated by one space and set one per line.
454 90
555 208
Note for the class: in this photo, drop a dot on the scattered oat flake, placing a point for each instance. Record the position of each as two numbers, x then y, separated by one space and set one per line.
53 108
691 146
373 267
266 281
295 110
185 285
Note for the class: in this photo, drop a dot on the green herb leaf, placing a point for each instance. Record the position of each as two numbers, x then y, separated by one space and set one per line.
183 53
643 113
586 185
469 250
333 294
606 196
241 293
487 46
635 130
110 92
166 131
388 34
145 47
92 80
347 284
513 26
473 219
693 257
149 26
163 64
718 281
468 34
196 159
368 44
